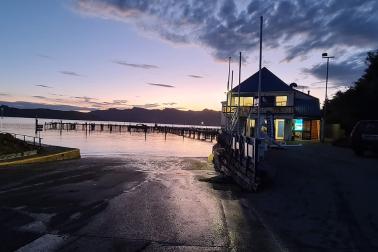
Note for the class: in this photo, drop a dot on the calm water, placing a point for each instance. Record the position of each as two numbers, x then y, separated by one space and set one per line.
115 143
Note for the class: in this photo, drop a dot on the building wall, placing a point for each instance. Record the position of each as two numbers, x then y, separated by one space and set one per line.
288 129
279 114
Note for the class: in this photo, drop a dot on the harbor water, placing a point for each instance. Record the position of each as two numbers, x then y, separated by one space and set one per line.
105 143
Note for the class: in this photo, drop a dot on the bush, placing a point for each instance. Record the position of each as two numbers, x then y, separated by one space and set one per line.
9 144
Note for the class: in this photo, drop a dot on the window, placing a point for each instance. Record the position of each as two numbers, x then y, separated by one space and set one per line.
298 124
256 102
244 101
250 127
266 101
281 100
279 127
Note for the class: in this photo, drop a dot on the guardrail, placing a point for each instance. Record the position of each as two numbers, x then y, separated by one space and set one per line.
35 140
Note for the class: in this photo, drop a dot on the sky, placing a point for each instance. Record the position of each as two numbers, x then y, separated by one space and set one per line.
99 54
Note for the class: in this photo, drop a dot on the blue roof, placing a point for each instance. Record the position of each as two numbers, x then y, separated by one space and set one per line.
269 82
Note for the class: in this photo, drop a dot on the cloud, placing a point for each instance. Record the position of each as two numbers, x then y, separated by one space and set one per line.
227 26
58 101
4 94
161 85
33 105
346 71
43 86
96 103
143 66
169 103
39 97
195 76
332 86
70 73
302 87
147 105
52 100
84 98
45 56
54 94
119 102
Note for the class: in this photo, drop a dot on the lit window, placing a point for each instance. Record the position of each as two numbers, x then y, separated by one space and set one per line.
235 101
244 101
251 123
281 100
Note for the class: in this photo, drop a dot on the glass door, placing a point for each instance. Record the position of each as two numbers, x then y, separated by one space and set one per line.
279 126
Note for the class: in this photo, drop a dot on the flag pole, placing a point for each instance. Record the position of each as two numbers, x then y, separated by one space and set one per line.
259 87
240 56
227 92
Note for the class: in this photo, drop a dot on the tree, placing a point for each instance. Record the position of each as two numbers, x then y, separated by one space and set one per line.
359 102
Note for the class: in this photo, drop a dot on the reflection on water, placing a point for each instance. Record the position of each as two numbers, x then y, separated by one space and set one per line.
115 143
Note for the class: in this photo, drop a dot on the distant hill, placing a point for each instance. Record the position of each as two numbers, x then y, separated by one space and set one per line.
168 116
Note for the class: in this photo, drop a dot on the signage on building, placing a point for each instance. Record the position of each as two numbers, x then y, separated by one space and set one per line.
298 124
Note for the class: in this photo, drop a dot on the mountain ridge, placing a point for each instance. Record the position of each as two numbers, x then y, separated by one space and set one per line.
135 114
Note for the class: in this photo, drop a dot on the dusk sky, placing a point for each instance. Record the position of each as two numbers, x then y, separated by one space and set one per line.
99 54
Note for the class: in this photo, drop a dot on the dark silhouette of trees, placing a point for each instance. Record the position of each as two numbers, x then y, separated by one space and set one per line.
359 102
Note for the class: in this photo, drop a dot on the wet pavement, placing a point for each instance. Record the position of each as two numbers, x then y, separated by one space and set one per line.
318 198
127 203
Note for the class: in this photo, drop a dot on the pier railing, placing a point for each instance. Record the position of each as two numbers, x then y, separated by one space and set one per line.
34 140
237 156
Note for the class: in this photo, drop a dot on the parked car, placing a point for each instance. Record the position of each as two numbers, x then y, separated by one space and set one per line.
364 136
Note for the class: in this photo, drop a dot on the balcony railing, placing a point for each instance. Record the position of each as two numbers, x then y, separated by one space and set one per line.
246 110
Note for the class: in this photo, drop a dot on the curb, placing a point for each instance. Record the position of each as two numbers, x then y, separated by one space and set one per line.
64 155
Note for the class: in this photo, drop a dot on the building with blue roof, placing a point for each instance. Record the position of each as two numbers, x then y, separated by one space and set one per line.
285 113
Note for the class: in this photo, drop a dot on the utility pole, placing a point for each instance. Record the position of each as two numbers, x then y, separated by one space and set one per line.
325 56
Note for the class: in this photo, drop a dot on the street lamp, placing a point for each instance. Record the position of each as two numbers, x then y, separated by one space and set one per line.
325 56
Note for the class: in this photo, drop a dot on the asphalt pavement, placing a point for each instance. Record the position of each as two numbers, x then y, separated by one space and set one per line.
320 197
314 198
126 203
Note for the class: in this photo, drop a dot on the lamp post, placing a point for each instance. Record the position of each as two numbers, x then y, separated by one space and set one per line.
325 56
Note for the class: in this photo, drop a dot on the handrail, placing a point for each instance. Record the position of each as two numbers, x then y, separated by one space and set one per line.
23 137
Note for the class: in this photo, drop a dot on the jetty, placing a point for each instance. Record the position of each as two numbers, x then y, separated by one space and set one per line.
204 133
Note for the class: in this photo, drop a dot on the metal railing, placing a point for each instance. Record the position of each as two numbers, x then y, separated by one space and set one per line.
246 110
241 149
35 140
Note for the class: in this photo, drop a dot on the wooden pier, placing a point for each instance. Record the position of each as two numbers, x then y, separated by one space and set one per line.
199 133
